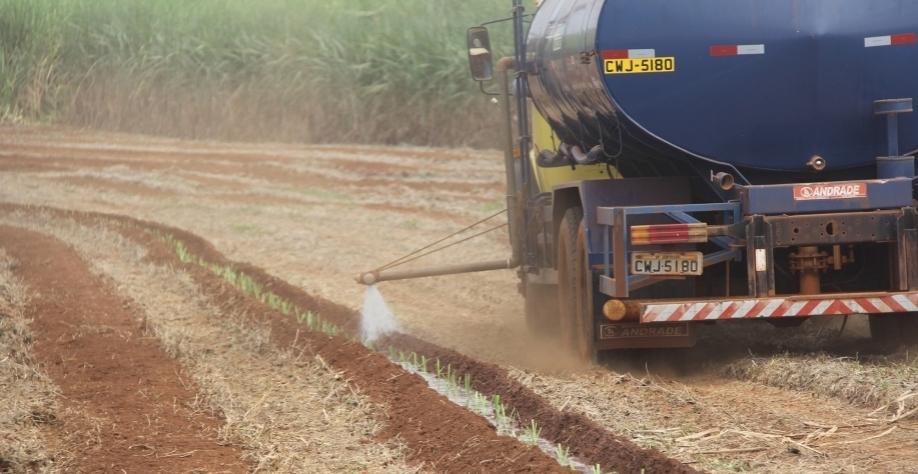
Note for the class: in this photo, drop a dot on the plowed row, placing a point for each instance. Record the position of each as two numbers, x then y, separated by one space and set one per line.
439 435
136 413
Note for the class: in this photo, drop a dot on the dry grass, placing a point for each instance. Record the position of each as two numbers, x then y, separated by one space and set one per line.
292 414
27 396
890 387
728 426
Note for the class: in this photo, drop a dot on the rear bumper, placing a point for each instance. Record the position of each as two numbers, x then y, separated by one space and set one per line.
778 307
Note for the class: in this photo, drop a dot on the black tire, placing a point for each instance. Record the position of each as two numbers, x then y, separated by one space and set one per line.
542 310
575 288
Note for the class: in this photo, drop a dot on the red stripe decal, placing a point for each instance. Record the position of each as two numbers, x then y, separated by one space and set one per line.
905 38
615 54
728 313
808 307
704 312
783 309
724 50
838 307
677 314
868 307
894 305
756 310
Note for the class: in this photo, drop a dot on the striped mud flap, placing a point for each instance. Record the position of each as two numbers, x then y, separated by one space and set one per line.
778 307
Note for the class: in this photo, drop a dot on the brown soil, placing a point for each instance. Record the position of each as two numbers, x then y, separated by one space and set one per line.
386 383
17 164
90 343
438 434
117 186
47 158
437 154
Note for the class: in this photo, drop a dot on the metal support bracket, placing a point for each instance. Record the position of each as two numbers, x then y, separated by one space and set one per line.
894 165
616 280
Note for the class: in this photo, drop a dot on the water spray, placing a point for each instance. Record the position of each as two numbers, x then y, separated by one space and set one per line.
376 319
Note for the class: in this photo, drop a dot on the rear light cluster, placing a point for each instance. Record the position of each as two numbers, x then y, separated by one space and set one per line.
669 234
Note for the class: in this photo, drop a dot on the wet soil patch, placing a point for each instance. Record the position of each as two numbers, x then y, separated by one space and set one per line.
135 405
586 439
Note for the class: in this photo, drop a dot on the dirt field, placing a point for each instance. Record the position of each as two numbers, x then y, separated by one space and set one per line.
141 345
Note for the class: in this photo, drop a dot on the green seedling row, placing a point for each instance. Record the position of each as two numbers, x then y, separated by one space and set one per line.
246 284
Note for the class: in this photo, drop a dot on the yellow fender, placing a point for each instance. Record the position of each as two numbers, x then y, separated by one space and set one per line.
543 138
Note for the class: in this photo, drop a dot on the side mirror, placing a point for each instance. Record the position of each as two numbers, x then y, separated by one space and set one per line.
480 62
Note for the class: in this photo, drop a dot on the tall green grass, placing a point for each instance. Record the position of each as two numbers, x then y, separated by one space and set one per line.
304 70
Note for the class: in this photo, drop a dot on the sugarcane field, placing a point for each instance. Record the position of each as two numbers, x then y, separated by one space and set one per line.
425 236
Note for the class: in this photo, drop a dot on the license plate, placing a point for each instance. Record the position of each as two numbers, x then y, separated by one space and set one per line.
668 263
640 65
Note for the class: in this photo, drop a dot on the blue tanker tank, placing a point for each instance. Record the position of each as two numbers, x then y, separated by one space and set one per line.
760 87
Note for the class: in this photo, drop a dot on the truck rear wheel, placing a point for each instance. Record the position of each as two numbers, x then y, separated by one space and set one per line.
542 309
575 287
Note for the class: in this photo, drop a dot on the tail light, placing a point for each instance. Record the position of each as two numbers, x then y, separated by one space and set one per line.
669 234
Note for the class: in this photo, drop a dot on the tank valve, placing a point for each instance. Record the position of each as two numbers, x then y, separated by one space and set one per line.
816 163
724 180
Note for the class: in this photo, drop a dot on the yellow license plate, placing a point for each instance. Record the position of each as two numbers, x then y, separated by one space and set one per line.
640 65
667 263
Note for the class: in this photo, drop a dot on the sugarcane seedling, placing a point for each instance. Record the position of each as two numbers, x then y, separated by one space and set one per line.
500 412
533 433
481 403
563 455
453 380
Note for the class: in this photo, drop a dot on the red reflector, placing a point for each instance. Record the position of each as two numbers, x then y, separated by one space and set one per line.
615 54
669 234
905 38
724 50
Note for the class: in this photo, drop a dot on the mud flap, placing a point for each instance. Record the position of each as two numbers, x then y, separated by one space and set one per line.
644 336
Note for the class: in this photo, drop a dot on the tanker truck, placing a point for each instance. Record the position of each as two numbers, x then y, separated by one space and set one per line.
671 164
